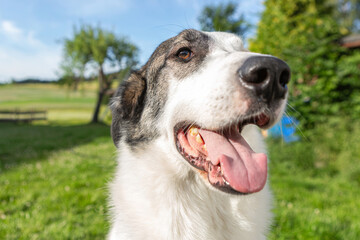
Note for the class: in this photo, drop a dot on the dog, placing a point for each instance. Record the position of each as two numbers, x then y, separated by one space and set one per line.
192 162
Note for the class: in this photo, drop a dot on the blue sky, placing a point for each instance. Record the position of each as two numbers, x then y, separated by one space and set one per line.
31 31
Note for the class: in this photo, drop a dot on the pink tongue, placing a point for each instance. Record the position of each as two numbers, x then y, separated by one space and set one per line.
243 169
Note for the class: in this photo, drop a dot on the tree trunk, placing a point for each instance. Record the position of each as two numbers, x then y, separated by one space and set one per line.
100 97
76 83
101 93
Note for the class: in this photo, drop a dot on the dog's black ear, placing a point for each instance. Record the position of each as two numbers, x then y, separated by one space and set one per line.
127 105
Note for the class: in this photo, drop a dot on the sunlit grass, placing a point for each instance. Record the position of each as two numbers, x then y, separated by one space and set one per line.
60 102
53 181
316 185
54 173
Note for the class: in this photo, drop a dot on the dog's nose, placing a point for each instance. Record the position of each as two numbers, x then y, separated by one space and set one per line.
266 76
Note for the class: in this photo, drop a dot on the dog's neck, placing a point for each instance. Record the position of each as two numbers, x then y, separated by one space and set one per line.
171 201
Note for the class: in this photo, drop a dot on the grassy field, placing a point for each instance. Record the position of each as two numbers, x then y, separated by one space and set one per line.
316 185
62 104
54 174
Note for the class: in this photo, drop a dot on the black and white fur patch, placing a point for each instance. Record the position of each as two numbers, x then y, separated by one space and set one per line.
148 87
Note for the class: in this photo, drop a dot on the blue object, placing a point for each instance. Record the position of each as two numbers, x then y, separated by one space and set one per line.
286 128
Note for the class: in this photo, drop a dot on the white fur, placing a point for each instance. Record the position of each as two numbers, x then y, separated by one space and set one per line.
156 194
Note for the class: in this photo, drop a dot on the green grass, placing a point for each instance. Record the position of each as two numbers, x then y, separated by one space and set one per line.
54 174
61 103
317 185
53 181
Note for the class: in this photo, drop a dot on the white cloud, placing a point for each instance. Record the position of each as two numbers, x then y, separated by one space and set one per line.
22 55
18 36
9 29
16 64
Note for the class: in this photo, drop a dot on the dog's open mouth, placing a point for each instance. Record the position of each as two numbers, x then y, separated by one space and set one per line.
230 163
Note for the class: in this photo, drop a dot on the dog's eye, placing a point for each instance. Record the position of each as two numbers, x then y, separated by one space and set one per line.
185 54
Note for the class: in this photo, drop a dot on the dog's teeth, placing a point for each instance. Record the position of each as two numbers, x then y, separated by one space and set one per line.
194 131
226 182
199 139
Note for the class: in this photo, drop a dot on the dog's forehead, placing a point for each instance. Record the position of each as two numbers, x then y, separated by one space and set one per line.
190 35
186 36
228 42
223 40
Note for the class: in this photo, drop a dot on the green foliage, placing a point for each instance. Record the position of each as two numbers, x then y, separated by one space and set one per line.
349 83
305 34
124 53
100 41
222 18
77 54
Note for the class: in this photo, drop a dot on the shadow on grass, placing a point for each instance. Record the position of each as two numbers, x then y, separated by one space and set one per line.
22 143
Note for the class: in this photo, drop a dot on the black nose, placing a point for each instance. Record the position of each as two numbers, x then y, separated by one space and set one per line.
266 76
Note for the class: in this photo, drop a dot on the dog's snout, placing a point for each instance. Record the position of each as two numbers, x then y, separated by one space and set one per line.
266 76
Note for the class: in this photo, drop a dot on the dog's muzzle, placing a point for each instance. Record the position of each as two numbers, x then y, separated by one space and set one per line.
265 76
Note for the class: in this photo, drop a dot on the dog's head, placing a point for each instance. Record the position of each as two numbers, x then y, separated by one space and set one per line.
195 95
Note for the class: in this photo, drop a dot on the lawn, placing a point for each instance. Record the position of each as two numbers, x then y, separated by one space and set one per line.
62 103
54 174
53 181
316 185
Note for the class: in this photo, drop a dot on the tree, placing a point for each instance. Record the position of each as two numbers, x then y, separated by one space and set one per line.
306 34
95 47
221 18
77 54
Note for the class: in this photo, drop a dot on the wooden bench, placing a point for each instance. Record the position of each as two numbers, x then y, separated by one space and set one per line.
22 116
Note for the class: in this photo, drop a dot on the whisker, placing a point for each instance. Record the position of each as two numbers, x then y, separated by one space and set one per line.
292 108
282 131
297 127
188 128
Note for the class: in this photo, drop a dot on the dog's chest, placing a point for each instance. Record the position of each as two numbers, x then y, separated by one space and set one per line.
162 207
